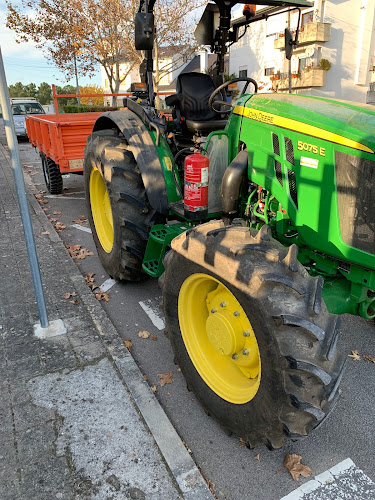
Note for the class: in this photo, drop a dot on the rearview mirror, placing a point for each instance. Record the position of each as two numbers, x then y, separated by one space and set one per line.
289 43
144 31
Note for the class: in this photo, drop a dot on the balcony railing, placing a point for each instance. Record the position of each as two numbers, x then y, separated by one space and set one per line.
309 77
310 33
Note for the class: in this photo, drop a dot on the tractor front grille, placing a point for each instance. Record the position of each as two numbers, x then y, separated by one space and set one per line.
289 152
355 178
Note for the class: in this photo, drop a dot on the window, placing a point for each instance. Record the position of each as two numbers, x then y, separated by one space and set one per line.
269 71
308 17
304 62
242 71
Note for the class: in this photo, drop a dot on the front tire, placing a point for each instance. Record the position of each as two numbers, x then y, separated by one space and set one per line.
250 332
119 212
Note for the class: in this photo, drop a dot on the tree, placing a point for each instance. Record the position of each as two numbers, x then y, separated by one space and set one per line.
79 34
92 89
69 101
18 90
44 93
174 29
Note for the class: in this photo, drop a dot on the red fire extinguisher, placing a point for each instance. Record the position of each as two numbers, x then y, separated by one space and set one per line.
196 186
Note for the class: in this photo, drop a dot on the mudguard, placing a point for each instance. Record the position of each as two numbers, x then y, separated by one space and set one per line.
143 148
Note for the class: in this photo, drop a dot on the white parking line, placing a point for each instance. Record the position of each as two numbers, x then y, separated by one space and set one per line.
107 285
344 480
63 197
152 309
81 228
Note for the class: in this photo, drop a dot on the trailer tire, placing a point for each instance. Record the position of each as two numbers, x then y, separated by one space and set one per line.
119 212
251 333
52 175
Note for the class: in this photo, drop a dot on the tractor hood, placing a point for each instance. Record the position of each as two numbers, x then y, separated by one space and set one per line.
342 122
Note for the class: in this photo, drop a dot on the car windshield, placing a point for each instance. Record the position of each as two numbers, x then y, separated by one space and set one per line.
27 108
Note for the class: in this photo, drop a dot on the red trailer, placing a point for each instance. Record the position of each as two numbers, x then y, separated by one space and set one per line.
61 140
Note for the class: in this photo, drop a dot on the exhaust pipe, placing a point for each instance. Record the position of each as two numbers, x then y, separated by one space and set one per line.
230 187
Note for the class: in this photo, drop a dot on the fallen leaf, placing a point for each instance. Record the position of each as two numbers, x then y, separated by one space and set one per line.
257 457
102 296
82 218
53 220
90 281
178 369
143 334
83 253
153 388
369 358
110 434
128 344
45 232
153 337
59 226
355 355
75 302
242 443
293 463
68 295
165 378
40 199
56 212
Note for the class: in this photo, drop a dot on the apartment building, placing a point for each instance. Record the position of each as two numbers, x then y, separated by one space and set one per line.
335 56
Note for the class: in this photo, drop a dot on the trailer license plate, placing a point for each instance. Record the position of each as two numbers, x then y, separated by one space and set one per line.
76 164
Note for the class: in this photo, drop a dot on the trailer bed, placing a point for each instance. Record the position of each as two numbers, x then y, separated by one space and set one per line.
62 137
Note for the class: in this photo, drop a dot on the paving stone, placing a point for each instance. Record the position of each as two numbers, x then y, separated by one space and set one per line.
25 368
8 454
6 419
20 351
85 336
45 477
89 352
27 415
10 488
18 391
77 323
56 353
36 441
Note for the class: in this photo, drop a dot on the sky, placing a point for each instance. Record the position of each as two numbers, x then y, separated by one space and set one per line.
26 64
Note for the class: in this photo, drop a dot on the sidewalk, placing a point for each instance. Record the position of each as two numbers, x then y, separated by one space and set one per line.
77 418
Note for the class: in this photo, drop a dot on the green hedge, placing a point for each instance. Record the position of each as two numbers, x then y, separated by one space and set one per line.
87 109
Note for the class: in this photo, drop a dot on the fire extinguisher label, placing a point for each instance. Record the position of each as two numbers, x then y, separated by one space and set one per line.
204 175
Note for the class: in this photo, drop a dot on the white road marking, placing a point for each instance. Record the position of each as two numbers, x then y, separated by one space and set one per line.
107 285
82 228
151 308
344 480
63 197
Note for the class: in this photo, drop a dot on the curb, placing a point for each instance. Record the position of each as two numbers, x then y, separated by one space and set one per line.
180 463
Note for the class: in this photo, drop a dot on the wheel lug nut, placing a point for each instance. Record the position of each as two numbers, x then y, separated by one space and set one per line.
235 356
245 352
236 313
246 333
213 310
223 304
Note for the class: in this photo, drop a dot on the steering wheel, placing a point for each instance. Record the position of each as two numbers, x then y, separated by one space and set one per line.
211 101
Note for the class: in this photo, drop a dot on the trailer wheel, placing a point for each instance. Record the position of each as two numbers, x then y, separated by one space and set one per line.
52 175
251 332
119 212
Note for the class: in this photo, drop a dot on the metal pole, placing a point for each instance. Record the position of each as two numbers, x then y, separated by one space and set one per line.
21 195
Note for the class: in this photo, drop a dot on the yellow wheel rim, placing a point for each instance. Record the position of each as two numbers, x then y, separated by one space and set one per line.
219 338
101 210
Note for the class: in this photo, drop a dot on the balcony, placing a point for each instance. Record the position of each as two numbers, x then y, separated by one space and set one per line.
310 33
310 77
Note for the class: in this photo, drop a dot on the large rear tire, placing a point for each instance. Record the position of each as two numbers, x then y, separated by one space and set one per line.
119 212
251 332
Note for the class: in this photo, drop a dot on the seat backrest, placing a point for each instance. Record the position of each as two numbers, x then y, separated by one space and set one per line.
196 89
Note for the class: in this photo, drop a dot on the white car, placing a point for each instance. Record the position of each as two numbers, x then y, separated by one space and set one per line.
21 107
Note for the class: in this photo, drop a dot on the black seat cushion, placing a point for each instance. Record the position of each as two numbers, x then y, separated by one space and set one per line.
193 91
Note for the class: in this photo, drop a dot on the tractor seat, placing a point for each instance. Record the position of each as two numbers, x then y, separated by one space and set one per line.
193 91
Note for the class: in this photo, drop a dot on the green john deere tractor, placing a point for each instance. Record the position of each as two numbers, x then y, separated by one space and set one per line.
253 278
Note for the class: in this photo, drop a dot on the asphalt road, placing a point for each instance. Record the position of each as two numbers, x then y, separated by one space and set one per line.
233 471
